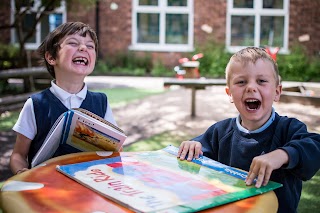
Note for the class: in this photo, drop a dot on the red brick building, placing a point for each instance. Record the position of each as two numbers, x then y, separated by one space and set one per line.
170 28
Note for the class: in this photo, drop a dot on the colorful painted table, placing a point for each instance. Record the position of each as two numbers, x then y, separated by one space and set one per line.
43 189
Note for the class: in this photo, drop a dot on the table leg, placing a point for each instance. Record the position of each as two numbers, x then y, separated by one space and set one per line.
193 101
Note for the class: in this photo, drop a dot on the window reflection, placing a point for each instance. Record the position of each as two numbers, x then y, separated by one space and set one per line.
272 33
177 2
273 4
242 30
243 3
177 29
257 23
49 23
148 2
148 28
27 23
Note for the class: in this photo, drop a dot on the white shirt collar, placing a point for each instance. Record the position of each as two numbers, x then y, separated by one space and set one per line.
263 127
66 98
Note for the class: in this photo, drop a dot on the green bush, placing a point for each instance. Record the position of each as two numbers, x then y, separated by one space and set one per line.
214 60
127 63
295 66
298 66
8 56
160 70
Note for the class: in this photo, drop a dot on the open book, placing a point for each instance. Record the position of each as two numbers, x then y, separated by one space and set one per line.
82 130
157 181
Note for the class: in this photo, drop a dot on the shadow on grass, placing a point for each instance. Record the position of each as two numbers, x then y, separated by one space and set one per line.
309 201
157 142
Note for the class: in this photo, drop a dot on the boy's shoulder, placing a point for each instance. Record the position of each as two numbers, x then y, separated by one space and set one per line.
227 121
96 93
288 125
285 120
41 94
97 96
225 124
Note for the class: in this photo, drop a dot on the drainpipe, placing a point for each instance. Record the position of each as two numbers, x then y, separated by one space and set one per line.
97 24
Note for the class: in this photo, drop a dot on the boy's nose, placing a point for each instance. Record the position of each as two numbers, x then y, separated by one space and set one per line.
82 47
251 87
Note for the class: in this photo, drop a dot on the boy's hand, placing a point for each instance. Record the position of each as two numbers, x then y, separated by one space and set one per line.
192 148
263 165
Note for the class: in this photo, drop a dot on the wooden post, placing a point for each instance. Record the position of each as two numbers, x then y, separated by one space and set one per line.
193 101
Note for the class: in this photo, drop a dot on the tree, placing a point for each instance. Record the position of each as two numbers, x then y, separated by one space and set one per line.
40 8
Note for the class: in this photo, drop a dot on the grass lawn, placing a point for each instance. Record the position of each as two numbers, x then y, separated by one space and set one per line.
309 201
122 96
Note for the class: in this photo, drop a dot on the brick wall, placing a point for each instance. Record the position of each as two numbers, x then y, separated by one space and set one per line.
305 20
115 25
212 15
5 20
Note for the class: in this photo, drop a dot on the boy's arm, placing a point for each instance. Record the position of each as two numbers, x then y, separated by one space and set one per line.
303 149
18 159
300 154
190 148
262 166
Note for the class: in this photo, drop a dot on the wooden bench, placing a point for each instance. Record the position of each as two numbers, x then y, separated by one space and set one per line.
28 75
31 77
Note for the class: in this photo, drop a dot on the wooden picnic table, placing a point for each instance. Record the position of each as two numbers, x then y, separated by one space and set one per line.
194 85
43 189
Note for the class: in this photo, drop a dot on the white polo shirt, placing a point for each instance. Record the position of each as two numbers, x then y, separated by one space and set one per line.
26 123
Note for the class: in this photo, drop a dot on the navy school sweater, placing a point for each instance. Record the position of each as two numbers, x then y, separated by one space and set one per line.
224 142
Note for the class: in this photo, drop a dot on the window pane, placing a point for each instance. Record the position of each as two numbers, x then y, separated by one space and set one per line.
56 3
49 23
29 21
272 31
177 28
148 2
243 3
273 4
26 3
242 30
177 2
148 28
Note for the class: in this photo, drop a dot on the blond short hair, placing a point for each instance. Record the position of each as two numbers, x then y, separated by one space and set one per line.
251 55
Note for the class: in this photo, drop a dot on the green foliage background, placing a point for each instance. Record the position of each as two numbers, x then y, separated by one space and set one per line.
295 66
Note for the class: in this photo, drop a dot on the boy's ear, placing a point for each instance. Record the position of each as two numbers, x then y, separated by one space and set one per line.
50 59
278 93
229 94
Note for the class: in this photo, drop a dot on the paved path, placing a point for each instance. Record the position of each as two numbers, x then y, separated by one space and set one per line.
169 111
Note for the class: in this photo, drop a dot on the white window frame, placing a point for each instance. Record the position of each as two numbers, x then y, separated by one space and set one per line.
162 10
37 3
257 11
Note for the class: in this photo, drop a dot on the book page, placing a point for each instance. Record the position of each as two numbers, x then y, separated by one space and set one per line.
52 141
89 134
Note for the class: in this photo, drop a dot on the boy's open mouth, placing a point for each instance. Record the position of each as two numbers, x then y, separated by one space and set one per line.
252 104
80 60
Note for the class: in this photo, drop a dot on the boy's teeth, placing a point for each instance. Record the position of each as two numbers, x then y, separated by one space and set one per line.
80 60
251 100
252 104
